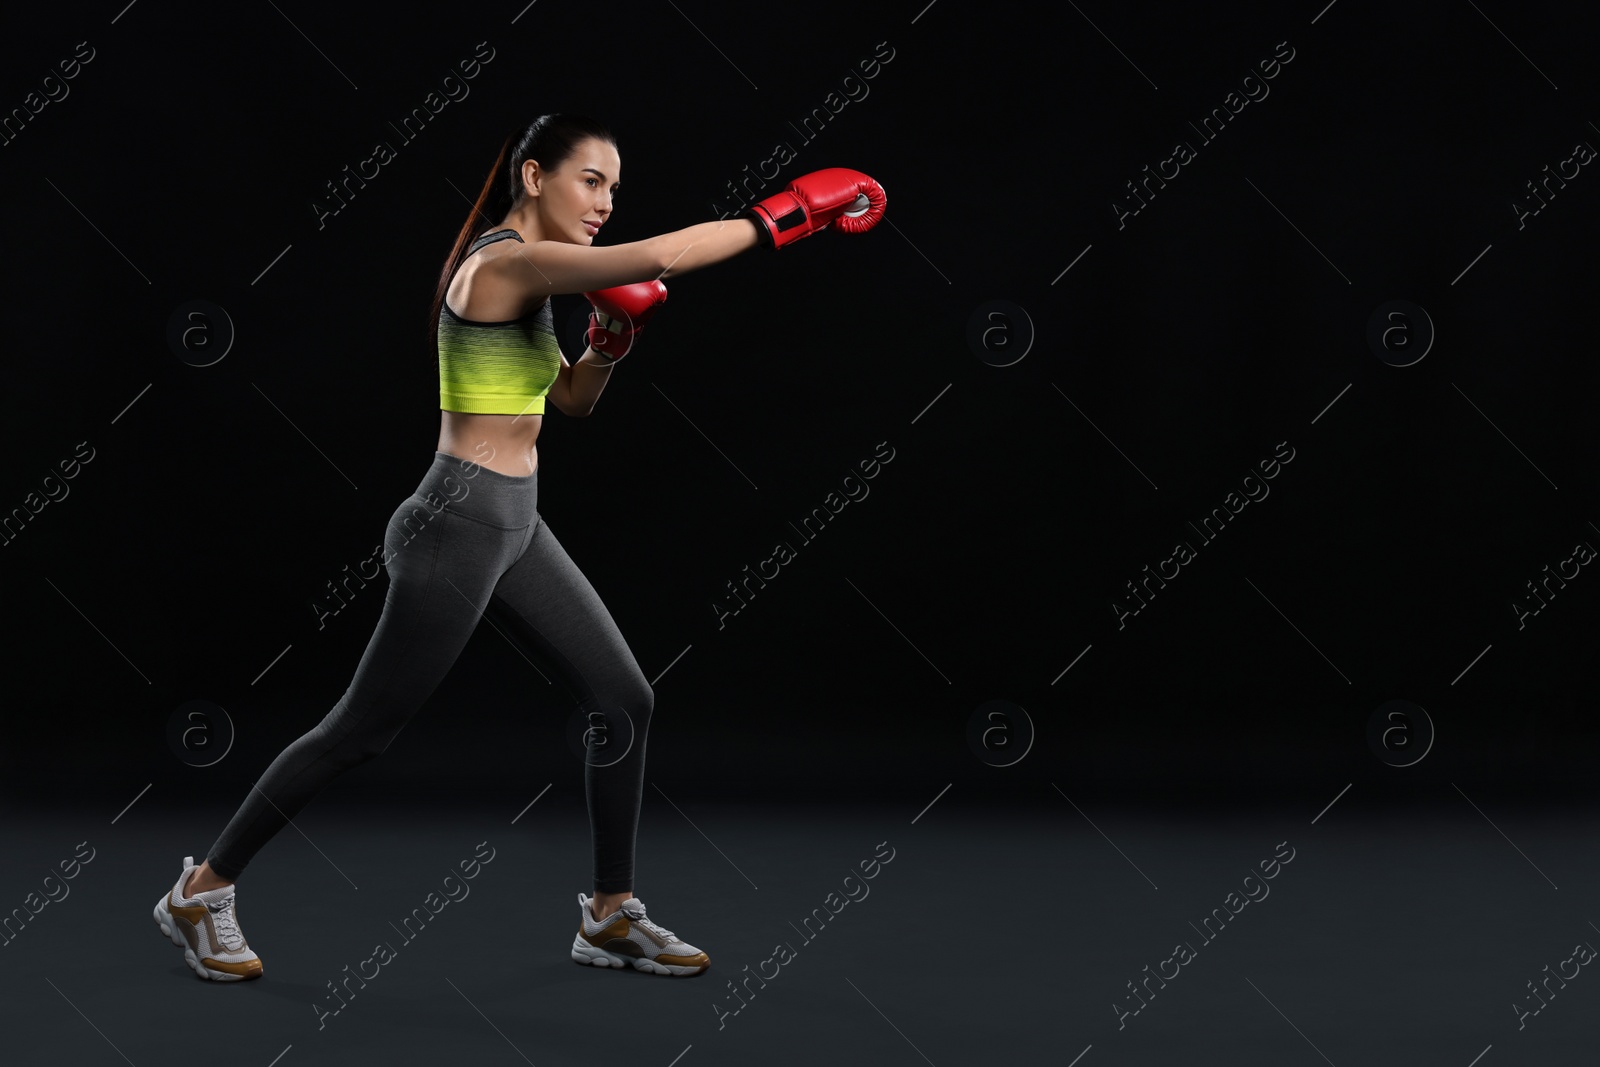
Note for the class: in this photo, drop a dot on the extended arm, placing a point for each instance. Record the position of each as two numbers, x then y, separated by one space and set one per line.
706 243
613 277
550 267
810 203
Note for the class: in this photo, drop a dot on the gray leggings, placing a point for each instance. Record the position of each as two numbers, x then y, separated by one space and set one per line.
468 539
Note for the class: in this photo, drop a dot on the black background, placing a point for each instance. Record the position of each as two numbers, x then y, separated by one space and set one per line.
1218 322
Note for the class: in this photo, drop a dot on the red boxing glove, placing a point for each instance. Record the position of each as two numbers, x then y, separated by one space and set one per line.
620 314
838 196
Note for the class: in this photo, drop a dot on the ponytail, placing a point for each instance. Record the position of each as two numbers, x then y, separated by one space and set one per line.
549 139
469 231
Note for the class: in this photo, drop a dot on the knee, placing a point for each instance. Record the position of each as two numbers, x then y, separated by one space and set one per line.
370 748
640 702
358 747
634 701
351 734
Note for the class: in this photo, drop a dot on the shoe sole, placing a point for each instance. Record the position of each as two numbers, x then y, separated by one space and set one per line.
169 927
582 952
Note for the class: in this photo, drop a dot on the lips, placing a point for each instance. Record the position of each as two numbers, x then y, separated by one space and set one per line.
592 227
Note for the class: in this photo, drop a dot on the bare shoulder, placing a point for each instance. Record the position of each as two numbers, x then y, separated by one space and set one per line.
490 287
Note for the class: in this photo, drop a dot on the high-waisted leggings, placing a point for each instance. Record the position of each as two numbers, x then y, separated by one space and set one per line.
467 536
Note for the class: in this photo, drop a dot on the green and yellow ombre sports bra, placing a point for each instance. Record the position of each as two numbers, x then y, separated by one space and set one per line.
497 368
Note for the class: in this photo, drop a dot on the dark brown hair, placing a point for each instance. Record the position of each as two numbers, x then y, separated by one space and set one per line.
549 139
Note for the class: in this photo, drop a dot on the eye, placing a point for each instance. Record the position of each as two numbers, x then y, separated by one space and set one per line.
590 179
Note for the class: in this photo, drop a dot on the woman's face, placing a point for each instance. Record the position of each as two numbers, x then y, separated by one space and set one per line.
580 192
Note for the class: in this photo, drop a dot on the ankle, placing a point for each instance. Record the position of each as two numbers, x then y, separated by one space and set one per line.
603 904
198 884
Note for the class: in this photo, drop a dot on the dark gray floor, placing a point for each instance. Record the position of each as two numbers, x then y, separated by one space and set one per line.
1396 935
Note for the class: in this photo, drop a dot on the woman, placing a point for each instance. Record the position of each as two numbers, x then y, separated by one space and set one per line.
456 544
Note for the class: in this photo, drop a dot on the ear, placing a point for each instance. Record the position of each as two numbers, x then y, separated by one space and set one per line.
532 177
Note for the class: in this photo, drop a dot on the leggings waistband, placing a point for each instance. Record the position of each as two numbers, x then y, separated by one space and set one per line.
471 489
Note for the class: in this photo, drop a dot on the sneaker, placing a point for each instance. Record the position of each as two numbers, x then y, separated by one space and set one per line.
627 938
206 927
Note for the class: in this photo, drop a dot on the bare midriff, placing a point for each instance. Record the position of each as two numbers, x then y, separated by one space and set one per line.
503 443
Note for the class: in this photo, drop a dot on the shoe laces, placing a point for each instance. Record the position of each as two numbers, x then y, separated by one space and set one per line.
652 924
227 925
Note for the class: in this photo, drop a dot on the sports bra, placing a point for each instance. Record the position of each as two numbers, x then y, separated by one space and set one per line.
497 368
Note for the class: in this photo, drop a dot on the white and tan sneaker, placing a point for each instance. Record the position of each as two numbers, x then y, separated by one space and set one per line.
206 927
628 938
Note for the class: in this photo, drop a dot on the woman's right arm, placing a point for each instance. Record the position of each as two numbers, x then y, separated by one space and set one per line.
544 268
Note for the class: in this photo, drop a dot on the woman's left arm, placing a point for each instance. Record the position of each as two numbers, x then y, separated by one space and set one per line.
617 317
579 385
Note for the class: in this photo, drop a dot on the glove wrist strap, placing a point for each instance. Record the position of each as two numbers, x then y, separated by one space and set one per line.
763 227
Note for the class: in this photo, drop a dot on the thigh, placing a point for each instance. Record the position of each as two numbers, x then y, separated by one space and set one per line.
551 606
442 570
